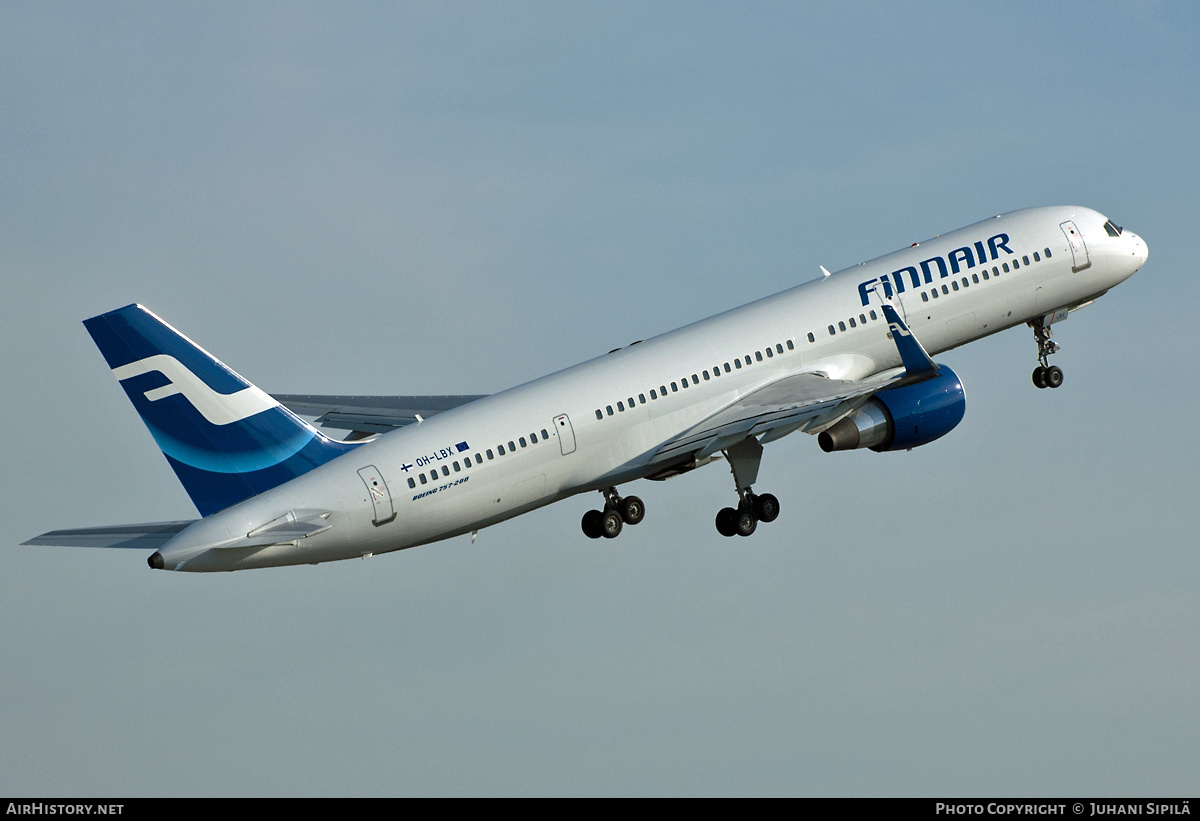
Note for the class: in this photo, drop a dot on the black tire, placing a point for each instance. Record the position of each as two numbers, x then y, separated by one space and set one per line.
1054 376
610 524
727 521
766 507
1039 376
632 510
592 526
747 522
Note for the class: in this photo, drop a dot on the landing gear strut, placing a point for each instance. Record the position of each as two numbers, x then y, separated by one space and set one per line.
618 511
1045 375
744 458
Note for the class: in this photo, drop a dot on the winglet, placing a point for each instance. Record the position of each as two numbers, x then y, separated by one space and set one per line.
916 361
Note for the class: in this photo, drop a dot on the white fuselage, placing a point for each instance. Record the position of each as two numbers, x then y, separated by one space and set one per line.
603 422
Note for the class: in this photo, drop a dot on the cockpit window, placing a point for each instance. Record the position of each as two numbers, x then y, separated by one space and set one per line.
1113 230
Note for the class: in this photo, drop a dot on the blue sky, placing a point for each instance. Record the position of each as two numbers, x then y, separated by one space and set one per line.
429 198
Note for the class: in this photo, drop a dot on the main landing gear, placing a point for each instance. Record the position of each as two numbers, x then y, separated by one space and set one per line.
618 511
1045 375
744 458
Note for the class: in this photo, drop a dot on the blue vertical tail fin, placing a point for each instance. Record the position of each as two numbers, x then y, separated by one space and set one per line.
225 439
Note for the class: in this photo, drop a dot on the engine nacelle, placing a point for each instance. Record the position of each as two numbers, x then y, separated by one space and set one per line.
901 418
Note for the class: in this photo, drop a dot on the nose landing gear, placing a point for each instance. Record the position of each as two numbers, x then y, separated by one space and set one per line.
1045 375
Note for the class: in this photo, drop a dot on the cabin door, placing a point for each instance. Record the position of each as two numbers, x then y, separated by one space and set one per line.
1079 252
566 435
381 497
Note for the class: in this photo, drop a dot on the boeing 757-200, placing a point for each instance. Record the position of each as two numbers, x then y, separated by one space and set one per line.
845 357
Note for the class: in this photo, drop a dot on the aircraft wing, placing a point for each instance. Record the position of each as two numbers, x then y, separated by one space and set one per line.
137 537
800 400
366 415
776 409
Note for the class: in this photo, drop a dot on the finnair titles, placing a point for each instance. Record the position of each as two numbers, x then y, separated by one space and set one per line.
846 358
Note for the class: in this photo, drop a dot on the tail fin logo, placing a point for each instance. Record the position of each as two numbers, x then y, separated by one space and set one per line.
217 408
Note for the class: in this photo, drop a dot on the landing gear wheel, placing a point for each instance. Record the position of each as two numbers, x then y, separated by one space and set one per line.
632 510
766 508
1053 377
592 526
610 524
1039 376
727 521
746 521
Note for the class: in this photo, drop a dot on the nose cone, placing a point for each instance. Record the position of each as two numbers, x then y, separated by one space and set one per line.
1138 248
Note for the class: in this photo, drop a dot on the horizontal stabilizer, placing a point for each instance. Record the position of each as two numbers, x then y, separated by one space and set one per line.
149 536
370 414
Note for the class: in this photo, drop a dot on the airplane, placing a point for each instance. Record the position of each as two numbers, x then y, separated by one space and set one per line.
845 357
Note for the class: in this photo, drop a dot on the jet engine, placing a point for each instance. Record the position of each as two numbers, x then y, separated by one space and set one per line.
901 418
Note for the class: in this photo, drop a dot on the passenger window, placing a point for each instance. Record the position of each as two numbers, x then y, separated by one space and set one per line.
522 441
674 388
489 453
1025 259
1036 257
954 285
620 407
791 347
500 449
873 317
769 353
737 363
1016 265
423 479
705 374
641 398
976 278
695 379
1005 268
779 348
545 436
727 368
1047 250
457 468
653 393
748 362
511 447
935 293
662 390
412 482
832 330
631 403
609 409
811 338
924 297
945 290
445 470
853 324
599 413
